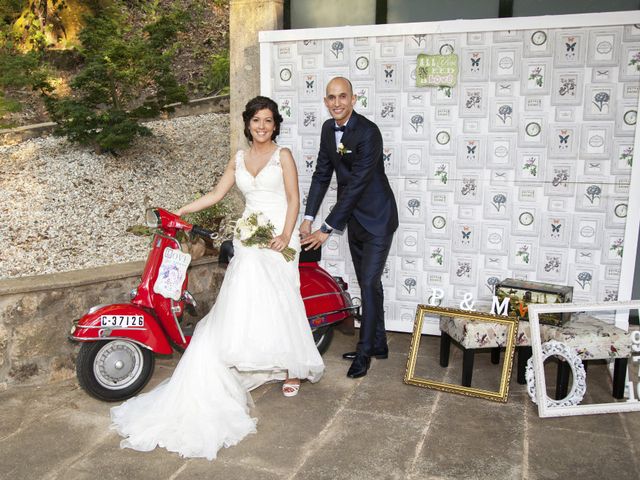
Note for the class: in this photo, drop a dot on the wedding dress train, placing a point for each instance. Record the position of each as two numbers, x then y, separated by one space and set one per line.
256 332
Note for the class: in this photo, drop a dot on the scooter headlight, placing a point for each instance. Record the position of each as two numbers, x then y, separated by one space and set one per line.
152 219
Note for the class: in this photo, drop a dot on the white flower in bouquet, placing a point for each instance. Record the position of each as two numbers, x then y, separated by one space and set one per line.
256 230
244 232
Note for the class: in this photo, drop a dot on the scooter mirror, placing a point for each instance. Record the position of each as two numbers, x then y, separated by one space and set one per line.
152 218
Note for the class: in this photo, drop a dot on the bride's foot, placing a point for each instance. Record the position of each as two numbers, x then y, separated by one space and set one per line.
291 387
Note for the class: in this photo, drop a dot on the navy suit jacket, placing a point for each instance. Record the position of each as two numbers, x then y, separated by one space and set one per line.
363 188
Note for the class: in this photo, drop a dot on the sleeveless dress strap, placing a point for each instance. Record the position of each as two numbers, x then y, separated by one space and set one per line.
239 158
275 158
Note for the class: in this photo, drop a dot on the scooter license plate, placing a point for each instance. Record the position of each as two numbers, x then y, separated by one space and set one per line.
122 321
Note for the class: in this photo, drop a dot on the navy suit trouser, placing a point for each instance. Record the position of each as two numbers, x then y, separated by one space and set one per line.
369 253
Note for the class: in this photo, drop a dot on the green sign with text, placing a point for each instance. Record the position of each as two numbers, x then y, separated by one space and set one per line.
436 70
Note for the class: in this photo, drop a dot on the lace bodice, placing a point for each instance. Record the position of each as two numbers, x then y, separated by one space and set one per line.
265 191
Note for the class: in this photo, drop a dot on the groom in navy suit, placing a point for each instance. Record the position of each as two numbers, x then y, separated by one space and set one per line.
351 145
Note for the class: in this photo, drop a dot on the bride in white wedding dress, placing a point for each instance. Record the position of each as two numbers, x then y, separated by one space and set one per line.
256 332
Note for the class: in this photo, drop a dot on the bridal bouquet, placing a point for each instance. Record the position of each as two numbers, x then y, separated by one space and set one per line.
257 231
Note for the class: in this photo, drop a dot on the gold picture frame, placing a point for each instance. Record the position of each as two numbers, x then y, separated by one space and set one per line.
512 329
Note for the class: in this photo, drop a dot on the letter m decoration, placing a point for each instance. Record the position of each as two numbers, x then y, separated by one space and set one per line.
498 308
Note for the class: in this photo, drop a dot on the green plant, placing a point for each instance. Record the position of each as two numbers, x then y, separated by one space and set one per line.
8 105
19 70
216 78
210 218
118 63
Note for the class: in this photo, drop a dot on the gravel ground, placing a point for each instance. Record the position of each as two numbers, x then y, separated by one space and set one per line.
64 207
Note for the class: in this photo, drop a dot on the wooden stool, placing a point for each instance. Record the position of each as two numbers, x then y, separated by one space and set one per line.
471 336
593 340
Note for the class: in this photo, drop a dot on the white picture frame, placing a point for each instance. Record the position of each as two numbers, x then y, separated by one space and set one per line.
530 165
474 64
465 236
464 269
471 151
473 101
336 52
612 247
410 241
414 160
591 194
629 64
468 188
552 265
441 174
536 77
412 206
586 231
388 111
494 240
436 255
525 220
570 48
556 230
545 408
497 203
388 75
567 87
503 114
415 124
442 140
500 151
595 141
505 62
365 97
604 47
523 254
537 43
599 102
563 140
626 117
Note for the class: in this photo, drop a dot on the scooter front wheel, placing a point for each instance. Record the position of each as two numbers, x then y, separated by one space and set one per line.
113 370
323 336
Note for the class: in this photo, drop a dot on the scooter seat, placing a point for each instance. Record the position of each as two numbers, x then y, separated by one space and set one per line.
226 254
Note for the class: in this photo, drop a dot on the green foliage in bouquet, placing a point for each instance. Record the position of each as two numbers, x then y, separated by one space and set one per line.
257 231
104 109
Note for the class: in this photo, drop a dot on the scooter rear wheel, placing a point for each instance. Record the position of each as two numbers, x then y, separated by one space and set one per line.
323 336
113 370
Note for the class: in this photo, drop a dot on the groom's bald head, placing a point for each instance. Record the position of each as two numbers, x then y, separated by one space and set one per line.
344 81
340 99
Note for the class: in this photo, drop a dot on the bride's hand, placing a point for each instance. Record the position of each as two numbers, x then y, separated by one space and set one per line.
279 242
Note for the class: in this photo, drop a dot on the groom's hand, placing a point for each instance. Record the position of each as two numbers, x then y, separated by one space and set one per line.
315 240
305 229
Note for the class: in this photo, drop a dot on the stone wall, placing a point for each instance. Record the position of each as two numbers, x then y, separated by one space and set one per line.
36 314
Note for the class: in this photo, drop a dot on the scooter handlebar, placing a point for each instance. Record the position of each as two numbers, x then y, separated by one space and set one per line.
203 232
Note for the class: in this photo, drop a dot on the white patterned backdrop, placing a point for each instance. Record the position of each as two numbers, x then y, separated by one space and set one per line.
523 169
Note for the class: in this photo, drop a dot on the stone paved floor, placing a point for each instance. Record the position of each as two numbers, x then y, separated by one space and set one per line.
370 428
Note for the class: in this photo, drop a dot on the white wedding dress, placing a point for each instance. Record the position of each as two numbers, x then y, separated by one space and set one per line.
256 332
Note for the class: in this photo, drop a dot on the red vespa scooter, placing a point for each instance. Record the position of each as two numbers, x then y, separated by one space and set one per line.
119 341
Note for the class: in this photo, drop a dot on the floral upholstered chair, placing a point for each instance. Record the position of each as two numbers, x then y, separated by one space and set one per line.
590 337
472 336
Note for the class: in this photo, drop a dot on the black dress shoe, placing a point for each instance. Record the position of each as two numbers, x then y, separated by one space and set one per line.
379 354
359 366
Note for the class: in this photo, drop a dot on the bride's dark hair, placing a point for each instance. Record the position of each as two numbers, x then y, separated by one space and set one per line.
255 105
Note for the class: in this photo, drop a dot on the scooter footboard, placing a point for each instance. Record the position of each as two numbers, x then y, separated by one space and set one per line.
123 321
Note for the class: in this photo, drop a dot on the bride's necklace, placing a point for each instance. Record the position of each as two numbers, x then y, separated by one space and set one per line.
258 158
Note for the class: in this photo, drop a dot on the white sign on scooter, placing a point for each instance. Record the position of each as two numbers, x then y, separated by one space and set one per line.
173 271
